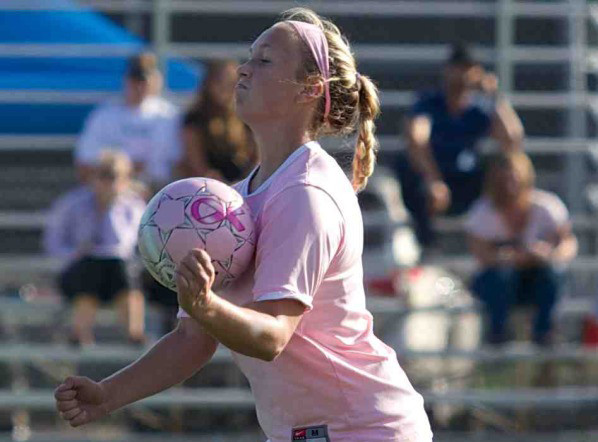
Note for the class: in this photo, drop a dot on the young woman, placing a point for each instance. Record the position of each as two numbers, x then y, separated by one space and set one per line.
521 237
296 322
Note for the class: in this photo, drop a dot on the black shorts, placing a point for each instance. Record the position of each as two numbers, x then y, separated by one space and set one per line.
156 292
105 278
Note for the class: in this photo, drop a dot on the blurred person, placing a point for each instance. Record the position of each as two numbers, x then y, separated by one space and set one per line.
142 124
94 229
217 144
521 238
296 321
441 170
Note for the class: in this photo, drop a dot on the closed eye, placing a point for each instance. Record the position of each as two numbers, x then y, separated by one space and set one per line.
261 60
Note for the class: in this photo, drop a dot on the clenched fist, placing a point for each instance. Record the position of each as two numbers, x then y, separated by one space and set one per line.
81 400
194 279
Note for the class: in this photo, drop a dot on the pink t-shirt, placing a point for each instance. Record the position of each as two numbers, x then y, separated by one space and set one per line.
334 372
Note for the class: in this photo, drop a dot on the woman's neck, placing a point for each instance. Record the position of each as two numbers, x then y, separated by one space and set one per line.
103 202
457 100
274 148
519 205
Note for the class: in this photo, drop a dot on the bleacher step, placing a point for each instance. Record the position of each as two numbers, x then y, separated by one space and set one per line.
241 398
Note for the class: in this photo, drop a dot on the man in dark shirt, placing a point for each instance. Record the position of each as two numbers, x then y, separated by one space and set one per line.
441 170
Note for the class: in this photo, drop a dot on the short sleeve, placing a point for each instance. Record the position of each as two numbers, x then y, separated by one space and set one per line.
170 134
168 150
422 106
301 232
93 137
556 211
479 222
57 240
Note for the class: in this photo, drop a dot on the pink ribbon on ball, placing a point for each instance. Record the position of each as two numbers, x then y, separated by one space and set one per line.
215 213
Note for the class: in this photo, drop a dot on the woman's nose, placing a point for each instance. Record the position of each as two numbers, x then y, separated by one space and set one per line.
243 70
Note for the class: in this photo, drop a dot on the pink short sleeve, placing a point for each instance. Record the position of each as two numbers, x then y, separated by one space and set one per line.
301 231
557 211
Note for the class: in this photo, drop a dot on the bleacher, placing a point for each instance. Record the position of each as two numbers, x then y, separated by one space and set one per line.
543 53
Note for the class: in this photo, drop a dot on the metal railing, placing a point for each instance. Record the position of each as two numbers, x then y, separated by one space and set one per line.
336 8
240 398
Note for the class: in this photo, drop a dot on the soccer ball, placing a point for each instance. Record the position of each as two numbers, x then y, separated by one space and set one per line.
196 213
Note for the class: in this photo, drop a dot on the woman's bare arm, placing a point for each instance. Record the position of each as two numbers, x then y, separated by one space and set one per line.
176 357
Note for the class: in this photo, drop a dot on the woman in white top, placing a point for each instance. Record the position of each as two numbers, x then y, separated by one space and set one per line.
521 238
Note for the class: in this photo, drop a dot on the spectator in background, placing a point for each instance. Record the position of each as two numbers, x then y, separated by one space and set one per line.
521 238
441 172
94 229
142 124
217 143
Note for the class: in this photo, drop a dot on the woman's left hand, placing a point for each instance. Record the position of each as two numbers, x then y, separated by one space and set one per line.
542 251
194 278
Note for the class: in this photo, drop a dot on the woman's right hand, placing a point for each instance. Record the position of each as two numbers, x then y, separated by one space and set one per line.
80 400
439 197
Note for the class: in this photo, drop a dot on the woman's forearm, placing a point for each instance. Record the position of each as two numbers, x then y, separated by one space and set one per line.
566 251
176 357
418 132
423 162
243 330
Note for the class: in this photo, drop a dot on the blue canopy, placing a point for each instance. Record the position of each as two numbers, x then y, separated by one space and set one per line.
79 26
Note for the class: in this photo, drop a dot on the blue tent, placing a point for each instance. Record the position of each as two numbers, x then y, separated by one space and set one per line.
79 26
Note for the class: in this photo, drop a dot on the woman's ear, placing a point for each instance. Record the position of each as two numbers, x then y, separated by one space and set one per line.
311 91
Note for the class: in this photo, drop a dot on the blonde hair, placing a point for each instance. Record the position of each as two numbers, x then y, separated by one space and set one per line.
142 64
116 162
519 162
354 103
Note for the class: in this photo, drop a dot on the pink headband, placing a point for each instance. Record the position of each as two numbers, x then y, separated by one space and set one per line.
314 37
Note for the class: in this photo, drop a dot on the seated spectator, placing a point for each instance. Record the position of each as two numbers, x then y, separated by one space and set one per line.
142 124
217 144
521 238
441 170
94 229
